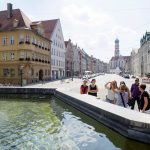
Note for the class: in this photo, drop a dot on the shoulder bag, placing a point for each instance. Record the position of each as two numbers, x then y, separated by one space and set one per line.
122 100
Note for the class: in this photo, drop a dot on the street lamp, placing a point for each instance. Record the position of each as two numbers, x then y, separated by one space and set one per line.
72 70
21 74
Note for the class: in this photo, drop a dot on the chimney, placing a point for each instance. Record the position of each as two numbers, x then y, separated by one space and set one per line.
9 10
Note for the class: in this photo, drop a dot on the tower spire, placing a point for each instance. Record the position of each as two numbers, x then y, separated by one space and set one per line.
117 53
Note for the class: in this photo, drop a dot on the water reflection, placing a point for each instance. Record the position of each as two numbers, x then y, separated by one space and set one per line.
53 125
91 130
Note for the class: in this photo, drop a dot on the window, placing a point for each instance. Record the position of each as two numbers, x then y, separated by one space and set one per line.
4 56
12 41
39 43
4 40
21 39
52 51
22 54
12 56
35 41
12 72
42 44
5 72
27 39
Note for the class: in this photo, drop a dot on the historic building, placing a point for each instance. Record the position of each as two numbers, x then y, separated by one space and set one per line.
53 32
140 58
24 49
135 62
76 60
119 63
69 58
144 55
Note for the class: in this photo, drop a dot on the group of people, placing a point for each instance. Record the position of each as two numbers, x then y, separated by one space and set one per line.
92 89
121 95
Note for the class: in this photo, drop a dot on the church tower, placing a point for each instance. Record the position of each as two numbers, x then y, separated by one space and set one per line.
117 53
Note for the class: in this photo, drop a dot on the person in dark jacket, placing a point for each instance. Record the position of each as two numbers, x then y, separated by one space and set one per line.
135 93
144 99
93 89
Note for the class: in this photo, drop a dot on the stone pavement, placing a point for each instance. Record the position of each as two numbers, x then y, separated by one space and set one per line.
74 86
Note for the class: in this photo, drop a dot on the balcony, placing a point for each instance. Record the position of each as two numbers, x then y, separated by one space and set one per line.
27 42
21 59
21 42
28 59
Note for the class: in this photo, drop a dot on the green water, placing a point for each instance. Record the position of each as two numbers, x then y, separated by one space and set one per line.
53 125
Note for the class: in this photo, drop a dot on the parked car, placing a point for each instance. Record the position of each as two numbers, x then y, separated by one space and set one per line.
126 76
133 77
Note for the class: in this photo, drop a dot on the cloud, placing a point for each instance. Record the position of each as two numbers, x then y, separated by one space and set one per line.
94 30
85 16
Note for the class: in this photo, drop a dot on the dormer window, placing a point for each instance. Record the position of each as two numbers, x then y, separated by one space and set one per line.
15 23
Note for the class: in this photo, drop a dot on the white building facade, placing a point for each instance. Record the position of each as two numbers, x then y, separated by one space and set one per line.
57 52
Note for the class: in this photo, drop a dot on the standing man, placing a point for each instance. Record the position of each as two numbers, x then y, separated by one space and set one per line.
135 93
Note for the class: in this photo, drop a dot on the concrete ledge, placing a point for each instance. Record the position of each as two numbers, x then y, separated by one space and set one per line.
129 123
19 90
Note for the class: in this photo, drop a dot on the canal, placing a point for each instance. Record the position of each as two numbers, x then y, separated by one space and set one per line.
50 124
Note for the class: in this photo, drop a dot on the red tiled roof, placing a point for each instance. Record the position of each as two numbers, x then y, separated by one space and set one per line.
117 57
114 58
7 23
25 22
49 26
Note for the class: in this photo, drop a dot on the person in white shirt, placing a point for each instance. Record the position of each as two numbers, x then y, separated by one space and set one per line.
110 97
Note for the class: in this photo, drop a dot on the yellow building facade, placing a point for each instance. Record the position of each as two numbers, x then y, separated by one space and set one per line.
24 57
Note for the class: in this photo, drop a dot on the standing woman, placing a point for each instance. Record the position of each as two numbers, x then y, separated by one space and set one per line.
121 96
84 87
93 89
110 97
144 99
126 89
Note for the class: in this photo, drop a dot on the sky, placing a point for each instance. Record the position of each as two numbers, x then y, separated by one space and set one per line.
93 24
